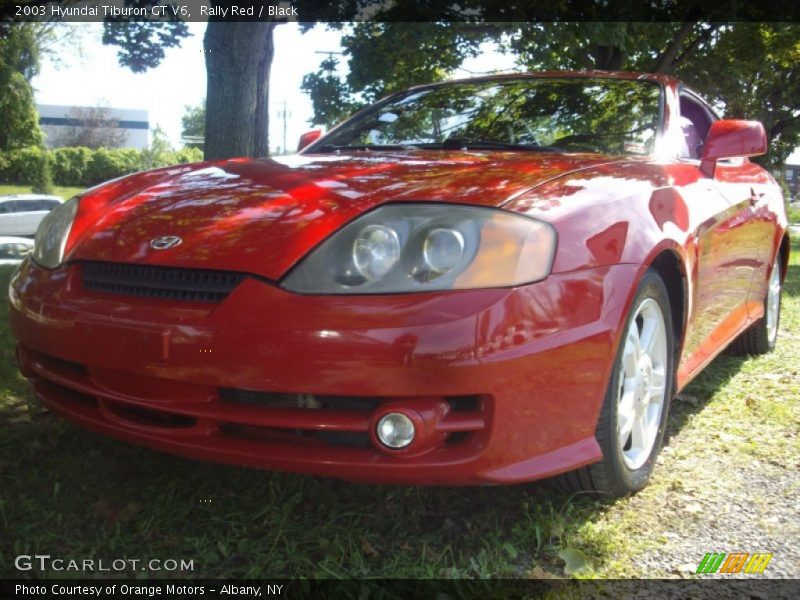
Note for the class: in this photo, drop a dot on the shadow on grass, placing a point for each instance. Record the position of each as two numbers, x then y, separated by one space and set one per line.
68 492
694 397
717 375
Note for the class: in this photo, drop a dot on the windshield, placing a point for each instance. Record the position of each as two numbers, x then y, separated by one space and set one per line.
607 116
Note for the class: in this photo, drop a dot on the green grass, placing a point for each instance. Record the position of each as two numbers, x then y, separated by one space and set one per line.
67 492
64 192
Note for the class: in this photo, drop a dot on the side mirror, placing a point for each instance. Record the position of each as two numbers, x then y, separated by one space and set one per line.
729 138
307 138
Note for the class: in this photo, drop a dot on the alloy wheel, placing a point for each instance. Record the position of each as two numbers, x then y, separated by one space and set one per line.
642 384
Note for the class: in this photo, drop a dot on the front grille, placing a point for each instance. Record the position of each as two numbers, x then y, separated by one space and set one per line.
167 283
275 400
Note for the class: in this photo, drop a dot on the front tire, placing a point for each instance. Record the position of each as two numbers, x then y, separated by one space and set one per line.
630 429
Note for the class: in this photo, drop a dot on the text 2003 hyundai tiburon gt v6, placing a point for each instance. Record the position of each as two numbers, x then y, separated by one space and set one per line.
484 281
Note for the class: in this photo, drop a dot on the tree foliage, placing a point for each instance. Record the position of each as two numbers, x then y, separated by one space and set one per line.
157 153
193 125
330 97
657 47
404 54
141 45
752 70
748 69
19 62
384 58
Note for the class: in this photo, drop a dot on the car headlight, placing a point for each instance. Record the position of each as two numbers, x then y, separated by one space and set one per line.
51 236
426 247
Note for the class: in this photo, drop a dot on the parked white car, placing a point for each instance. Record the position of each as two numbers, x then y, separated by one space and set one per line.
13 250
21 214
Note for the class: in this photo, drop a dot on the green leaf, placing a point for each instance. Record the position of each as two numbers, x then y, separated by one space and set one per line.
575 561
510 550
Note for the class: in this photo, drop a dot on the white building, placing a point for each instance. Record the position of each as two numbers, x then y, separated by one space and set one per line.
55 118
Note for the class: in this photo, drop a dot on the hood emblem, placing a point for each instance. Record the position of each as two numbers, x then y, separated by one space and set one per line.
165 242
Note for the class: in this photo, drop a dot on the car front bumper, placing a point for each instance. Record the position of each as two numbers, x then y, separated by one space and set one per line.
507 384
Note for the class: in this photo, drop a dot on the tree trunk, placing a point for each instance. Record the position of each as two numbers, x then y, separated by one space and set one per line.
609 58
262 96
666 62
702 38
238 59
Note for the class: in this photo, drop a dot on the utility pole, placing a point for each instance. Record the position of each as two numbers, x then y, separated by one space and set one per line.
285 113
330 53
285 116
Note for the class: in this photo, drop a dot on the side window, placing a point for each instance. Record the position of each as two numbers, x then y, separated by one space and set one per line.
19 206
695 121
48 204
5 207
30 205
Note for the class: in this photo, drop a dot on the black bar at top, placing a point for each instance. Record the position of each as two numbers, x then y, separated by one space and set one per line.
403 10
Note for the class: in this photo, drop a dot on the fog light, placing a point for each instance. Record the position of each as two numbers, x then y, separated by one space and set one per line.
395 430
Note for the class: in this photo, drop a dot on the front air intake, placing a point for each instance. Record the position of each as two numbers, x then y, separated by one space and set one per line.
165 283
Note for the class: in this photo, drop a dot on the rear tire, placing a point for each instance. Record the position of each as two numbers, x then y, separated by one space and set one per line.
630 429
761 336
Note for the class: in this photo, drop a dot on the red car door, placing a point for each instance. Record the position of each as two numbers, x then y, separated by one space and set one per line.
729 248
747 187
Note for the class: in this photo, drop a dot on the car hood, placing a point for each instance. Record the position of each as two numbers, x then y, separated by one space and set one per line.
262 216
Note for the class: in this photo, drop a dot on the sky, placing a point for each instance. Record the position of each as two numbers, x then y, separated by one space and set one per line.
88 74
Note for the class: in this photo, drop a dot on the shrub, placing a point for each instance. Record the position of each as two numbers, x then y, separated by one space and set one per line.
77 167
43 179
27 166
108 164
70 165
23 165
186 155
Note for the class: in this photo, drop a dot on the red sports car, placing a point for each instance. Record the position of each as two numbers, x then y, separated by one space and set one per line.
492 280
